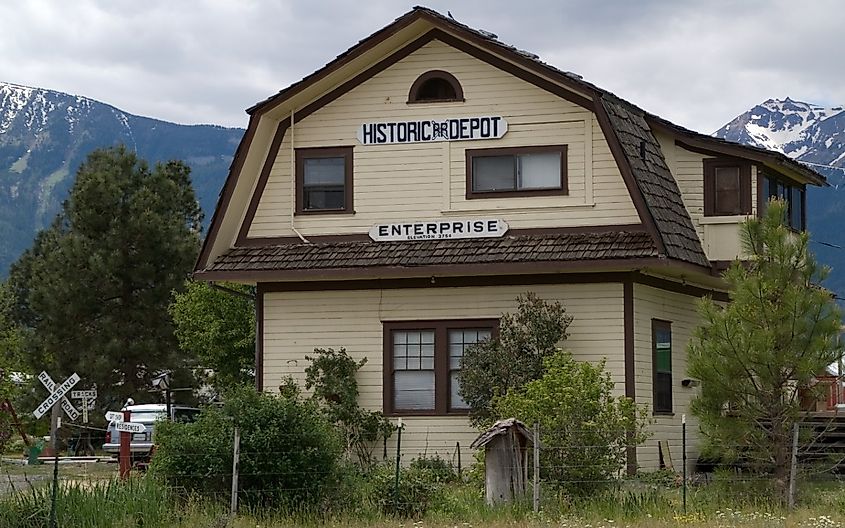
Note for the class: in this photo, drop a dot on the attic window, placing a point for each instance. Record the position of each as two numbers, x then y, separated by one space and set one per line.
436 86
727 187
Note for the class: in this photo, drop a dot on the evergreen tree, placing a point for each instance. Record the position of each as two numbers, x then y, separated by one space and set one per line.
93 290
755 354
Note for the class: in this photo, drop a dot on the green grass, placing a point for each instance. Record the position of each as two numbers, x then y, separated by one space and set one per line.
144 502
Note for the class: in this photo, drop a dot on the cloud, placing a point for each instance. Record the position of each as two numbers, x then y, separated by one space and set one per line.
699 64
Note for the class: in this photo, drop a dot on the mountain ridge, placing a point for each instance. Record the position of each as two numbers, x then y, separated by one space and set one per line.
46 134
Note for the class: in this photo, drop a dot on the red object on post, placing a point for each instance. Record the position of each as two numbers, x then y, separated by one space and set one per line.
125 440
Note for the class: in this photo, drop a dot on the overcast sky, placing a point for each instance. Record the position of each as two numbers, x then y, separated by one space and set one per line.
697 63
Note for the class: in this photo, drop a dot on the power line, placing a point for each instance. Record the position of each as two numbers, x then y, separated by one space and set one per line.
822 165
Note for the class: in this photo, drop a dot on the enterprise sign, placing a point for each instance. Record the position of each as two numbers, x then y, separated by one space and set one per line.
440 229
455 129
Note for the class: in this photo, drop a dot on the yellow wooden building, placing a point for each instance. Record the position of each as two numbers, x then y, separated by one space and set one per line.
397 201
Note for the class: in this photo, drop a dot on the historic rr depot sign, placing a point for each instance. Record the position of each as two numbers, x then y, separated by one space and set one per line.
439 229
425 130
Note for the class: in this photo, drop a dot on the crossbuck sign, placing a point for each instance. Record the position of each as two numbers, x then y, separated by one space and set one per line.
57 394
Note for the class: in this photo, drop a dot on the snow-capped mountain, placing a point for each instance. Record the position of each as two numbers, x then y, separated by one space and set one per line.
803 131
815 135
45 135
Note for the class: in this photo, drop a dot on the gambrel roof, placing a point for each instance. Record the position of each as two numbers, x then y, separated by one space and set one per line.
627 128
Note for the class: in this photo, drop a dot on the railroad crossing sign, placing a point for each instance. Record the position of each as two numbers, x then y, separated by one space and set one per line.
130 427
88 398
57 394
84 394
50 385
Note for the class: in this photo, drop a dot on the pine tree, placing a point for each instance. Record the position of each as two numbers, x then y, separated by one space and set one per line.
754 354
93 290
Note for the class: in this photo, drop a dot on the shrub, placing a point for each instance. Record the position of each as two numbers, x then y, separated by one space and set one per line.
584 429
417 486
439 469
526 338
289 451
332 376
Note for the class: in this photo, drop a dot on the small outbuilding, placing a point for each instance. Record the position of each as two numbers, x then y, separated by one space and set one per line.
506 459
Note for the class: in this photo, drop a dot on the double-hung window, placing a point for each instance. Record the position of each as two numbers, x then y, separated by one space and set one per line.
422 362
324 180
517 171
727 187
661 337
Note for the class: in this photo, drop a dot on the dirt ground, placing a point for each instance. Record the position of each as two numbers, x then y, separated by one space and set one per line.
18 478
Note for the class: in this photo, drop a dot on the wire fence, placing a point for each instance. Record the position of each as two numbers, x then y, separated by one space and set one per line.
515 467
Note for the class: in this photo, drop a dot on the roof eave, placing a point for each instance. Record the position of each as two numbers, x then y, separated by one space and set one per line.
758 154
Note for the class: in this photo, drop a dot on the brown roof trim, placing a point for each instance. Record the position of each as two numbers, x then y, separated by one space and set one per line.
679 287
504 268
711 146
497 280
310 109
628 177
260 289
226 193
363 237
479 51
440 24
272 154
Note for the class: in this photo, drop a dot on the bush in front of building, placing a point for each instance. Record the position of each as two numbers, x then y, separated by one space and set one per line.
584 429
491 368
289 452
418 485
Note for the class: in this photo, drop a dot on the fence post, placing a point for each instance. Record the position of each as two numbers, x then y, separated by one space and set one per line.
398 456
55 438
684 456
794 467
125 457
236 463
458 448
536 467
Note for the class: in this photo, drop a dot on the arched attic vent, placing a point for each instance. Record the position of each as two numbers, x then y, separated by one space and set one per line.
436 86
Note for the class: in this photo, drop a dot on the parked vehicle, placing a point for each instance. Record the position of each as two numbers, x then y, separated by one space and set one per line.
141 444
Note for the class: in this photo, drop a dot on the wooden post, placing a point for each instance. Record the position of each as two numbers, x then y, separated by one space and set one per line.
398 459
55 420
794 468
684 456
458 449
236 457
125 458
536 467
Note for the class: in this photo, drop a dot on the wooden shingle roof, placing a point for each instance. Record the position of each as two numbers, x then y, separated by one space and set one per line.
656 184
559 247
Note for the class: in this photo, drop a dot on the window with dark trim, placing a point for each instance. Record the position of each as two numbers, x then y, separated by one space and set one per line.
516 171
421 364
324 180
793 194
436 86
727 187
661 357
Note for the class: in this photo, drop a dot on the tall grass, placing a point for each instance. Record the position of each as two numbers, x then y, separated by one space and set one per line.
137 502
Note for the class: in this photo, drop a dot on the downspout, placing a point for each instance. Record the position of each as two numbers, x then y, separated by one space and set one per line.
293 180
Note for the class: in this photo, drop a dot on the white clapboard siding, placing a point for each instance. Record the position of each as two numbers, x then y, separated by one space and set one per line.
652 303
297 322
427 181
688 169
